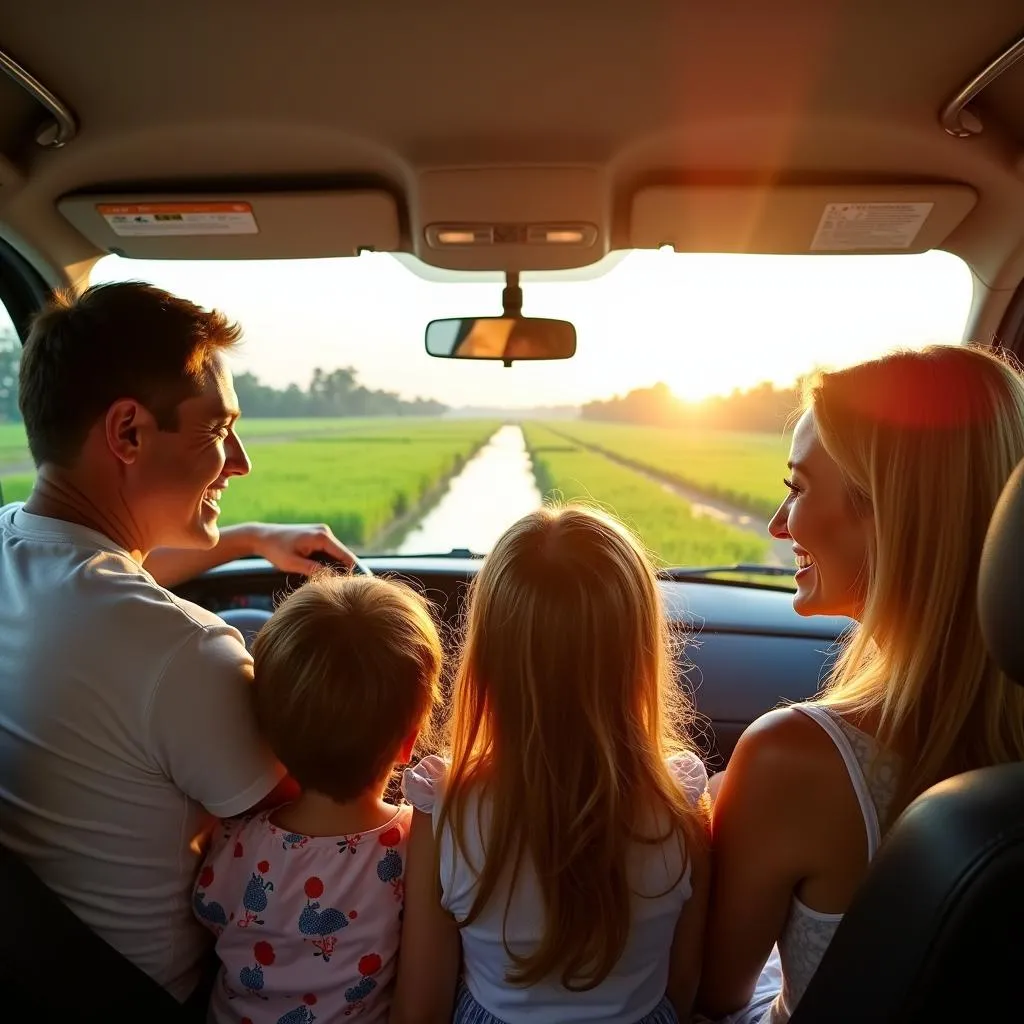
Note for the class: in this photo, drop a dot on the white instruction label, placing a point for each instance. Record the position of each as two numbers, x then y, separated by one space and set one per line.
848 226
135 220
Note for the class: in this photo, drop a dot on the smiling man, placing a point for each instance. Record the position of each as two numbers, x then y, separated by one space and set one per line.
124 711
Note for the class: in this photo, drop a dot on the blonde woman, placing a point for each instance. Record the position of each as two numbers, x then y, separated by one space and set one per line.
895 470
560 853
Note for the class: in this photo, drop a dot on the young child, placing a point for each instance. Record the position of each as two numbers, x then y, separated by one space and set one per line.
306 899
569 824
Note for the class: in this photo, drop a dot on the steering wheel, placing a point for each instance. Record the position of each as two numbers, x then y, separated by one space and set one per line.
249 621
358 568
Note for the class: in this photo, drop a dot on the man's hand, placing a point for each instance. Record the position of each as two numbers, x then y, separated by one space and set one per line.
289 547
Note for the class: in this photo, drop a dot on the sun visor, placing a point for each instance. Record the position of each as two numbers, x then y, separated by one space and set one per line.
237 226
798 219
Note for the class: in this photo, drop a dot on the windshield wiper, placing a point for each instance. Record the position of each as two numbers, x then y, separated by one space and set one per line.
463 553
698 572
454 553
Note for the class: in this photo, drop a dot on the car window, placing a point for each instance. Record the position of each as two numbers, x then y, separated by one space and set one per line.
16 469
673 413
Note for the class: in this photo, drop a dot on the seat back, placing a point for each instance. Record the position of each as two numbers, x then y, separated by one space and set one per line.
54 967
1001 580
935 930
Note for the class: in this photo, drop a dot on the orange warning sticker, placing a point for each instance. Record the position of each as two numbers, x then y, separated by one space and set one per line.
136 220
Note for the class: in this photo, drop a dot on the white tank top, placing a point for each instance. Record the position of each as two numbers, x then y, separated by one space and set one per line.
807 932
637 983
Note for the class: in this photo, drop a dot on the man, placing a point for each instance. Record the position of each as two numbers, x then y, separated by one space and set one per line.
124 711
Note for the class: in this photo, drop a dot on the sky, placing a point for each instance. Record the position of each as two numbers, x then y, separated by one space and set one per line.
702 323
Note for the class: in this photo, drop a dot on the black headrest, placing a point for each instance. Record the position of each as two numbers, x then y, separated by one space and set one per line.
1001 581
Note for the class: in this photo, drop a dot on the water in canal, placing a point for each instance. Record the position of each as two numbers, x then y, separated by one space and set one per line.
494 489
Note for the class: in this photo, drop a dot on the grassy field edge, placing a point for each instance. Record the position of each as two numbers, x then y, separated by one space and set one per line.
391 535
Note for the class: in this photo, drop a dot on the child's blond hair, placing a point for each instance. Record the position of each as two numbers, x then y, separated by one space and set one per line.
566 709
346 671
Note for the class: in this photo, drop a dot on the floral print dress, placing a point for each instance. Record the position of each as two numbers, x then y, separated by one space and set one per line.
307 927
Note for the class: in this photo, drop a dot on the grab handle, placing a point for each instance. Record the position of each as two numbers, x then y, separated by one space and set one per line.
954 117
61 128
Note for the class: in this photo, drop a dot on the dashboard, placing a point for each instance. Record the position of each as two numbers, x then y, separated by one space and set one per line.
744 649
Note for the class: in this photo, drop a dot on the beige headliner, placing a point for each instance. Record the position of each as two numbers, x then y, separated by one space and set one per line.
255 94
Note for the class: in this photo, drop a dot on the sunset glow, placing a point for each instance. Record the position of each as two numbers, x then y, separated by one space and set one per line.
703 324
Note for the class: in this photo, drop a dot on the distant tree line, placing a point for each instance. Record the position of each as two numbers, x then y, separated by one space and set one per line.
334 393
760 409
337 393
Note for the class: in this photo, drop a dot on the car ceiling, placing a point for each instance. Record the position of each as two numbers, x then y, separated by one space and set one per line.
195 97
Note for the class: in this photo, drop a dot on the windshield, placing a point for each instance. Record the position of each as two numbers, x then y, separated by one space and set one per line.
673 413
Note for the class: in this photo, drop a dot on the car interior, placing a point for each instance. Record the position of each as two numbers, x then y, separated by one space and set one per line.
503 144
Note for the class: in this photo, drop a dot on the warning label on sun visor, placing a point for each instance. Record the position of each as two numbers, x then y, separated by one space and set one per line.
166 219
845 227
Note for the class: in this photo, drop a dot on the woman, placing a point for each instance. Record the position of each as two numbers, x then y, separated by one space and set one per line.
895 469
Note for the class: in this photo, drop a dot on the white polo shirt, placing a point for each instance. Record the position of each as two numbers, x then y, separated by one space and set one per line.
124 712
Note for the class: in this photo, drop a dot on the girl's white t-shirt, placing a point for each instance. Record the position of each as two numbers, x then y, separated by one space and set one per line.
635 986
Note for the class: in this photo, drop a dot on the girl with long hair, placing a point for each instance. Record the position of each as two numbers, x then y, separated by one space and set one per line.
558 854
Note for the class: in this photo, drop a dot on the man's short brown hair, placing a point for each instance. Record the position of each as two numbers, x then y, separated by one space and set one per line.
122 340
346 670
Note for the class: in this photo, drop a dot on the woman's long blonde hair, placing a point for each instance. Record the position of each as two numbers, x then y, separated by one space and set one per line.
565 709
926 440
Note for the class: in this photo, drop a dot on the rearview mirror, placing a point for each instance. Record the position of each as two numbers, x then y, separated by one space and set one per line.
506 338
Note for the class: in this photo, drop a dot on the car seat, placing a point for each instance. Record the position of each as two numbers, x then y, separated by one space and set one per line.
54 967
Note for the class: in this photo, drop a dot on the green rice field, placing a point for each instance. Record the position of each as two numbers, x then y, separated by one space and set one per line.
12 443
369 479
358 476
16 473
665 522
745 470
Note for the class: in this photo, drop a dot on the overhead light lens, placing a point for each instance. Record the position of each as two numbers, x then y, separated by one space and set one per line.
505 234
559 234
564 237
456 237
